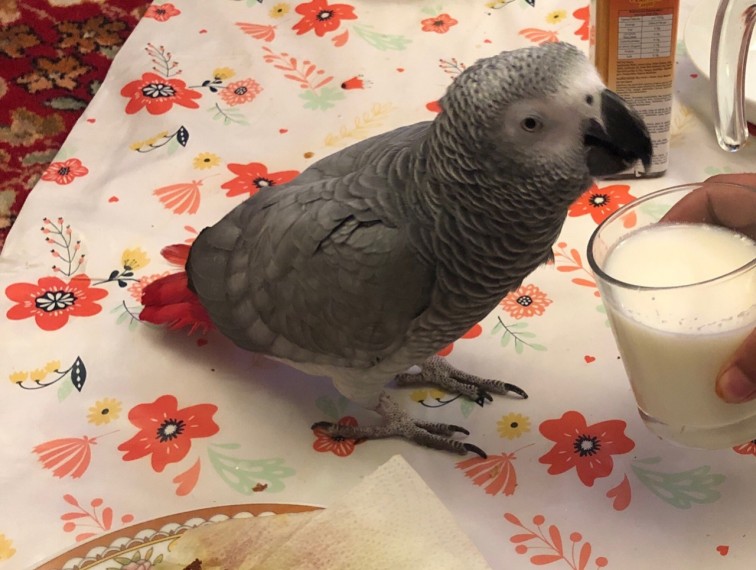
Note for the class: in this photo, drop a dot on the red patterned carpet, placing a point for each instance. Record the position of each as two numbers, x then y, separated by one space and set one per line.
54 55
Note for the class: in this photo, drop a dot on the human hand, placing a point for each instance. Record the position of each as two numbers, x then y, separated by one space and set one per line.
735 208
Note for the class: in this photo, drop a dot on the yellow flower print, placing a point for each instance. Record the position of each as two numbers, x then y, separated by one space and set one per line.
18 377
223 73
513 425
279 10
38 374
6 547
148 142
134 258
556 16
104 411
205 160
431 393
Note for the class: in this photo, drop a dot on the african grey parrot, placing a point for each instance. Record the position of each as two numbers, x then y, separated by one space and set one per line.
376 257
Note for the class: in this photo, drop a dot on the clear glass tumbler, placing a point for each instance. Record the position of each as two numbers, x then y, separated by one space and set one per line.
680 300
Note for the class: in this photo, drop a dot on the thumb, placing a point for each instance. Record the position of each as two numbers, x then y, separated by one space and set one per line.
737 379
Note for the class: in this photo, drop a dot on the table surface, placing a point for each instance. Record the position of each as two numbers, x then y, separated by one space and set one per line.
261 91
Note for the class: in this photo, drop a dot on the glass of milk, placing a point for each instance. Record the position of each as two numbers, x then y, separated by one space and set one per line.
680 299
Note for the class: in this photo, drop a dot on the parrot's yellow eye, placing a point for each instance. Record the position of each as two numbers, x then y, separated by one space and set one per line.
531 124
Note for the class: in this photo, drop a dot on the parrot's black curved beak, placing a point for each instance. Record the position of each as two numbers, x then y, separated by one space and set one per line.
619 141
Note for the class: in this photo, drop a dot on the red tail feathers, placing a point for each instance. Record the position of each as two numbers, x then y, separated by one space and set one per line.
169 301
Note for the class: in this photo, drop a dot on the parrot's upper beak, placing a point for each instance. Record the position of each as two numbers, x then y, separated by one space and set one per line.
619 141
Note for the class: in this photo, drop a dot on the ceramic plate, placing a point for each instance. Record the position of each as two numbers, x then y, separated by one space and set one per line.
136 546
697 38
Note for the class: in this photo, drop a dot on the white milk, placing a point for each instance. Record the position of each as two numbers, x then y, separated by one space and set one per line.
674 341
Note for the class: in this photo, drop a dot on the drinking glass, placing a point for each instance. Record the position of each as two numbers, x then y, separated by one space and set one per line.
675 331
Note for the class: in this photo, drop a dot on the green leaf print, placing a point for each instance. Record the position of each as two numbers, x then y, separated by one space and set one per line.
65 389
655 212
466 406
517 332
714 170
602 309
383 42
683 489
322 99
228 115
243 475
334 409
127 315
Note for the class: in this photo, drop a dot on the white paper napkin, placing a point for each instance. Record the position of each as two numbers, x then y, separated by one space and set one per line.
390 520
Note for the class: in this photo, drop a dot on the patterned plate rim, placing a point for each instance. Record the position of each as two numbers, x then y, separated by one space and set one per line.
128 535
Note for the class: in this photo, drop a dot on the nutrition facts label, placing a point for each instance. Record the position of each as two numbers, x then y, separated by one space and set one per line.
645 36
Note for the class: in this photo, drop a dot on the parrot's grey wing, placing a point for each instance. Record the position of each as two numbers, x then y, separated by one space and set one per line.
357 155
323 273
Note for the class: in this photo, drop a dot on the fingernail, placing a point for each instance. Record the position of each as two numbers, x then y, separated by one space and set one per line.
734 386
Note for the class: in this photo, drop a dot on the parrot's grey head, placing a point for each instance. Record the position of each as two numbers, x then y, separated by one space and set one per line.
546 107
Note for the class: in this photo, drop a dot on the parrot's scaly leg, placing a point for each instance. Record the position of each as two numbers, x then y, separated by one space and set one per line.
437 371
398 423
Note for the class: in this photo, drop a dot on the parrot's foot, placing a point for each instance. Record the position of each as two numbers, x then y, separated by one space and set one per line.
397 423
440 373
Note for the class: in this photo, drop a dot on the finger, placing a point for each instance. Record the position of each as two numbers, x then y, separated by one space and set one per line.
720 204
742 178
737 381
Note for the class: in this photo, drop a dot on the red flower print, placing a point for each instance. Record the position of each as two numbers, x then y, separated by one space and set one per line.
356 82
746 448
162 12
322 17
588 449
583 14
253 176
51 301
496 473
91 523
601 202
526 301
67 456
182 198
137 288
165 432
337 445
539 36
158 94
258 31
240 92
65 172
439 24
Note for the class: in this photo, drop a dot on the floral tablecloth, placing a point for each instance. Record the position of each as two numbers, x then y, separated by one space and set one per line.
105 421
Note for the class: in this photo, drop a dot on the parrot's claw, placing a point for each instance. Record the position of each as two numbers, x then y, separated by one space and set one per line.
397 423
476 449
483 397
440 373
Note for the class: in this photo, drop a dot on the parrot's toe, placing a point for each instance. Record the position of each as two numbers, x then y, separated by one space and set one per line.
483 397
446 430
440 373
397 423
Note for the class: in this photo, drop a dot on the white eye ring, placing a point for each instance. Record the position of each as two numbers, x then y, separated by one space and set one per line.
531 124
